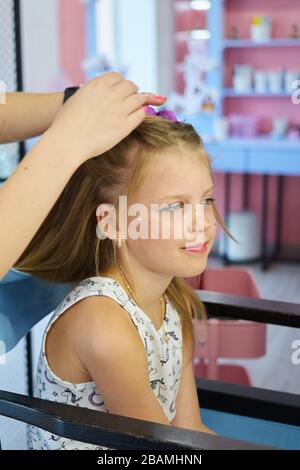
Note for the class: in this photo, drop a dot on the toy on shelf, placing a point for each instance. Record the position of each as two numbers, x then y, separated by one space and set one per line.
295 32
234 33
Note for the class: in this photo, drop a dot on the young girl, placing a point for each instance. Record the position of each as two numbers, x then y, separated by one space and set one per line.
122 340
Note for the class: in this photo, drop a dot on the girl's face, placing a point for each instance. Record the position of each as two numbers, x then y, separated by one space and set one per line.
177 221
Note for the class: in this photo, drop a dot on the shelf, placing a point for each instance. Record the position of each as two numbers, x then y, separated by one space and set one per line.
231 93
262 153
237 43
259 155
254 142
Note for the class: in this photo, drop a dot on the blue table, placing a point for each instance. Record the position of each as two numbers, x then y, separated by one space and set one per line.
261 156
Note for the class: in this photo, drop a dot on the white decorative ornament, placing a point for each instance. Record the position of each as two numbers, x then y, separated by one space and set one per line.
197 92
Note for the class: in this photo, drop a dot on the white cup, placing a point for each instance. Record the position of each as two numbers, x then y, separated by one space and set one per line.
242 78
289 77
260 33
275 81
260 81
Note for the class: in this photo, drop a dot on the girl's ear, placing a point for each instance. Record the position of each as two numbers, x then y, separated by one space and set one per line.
106 222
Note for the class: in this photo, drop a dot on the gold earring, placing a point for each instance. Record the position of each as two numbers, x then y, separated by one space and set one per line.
100 234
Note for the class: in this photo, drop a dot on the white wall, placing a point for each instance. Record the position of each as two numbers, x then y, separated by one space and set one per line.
40 43
144 41
165 17
133 33
105 29
136 41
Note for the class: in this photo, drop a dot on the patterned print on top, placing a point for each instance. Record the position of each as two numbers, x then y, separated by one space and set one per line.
164 362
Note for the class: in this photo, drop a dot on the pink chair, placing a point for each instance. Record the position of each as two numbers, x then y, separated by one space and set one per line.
235 339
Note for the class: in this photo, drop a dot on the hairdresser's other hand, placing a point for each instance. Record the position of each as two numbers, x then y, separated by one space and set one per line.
99 115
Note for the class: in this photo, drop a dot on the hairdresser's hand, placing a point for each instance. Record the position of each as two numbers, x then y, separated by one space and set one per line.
99 115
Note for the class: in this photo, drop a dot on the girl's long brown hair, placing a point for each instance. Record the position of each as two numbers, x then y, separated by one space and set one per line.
66 249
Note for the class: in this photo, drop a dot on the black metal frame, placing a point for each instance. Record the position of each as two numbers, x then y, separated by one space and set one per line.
252 402
18 64
127 433
113 431
121 432
19 70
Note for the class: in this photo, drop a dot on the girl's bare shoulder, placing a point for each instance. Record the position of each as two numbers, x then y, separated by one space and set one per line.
95 322
95 311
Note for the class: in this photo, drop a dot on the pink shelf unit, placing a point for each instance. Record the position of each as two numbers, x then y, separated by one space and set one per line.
282 53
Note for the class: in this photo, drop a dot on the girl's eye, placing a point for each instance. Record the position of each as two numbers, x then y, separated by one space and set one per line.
180 205
172 207
209 200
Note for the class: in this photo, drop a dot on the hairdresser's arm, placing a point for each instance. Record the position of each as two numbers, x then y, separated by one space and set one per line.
103 112
26 115
28 195
112 352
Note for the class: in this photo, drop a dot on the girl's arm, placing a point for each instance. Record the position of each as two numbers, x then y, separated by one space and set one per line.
187 404
26 115
111 350
103 112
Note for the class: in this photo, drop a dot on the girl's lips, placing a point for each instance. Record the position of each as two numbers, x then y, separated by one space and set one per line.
195 246
201 248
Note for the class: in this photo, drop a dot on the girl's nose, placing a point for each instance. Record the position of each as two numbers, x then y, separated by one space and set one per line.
201 221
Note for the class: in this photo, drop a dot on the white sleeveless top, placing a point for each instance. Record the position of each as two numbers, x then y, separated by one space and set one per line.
164 362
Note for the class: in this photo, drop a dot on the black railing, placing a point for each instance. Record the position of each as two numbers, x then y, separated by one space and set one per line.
119 432
249 308
113 431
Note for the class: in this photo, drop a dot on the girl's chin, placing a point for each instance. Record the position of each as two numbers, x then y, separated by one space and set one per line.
194 265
